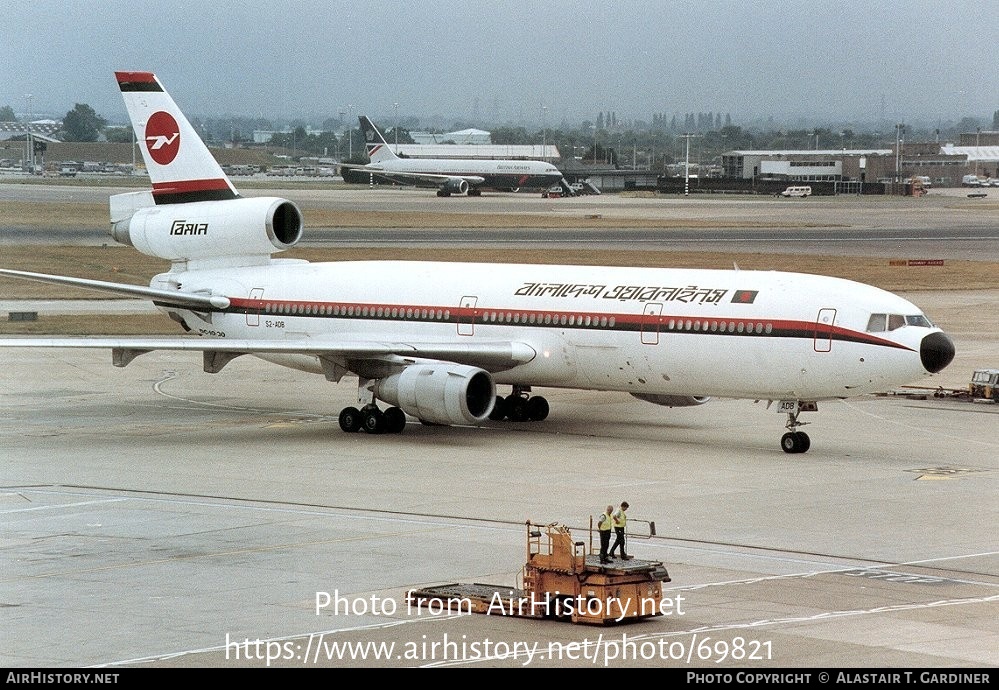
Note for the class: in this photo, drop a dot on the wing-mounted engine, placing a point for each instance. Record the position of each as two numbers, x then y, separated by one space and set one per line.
440 393
455 185
672 400
249 228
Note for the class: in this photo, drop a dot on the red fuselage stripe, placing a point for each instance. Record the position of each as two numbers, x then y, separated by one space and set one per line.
734 326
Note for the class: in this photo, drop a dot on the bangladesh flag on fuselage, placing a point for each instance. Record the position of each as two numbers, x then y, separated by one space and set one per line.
745 296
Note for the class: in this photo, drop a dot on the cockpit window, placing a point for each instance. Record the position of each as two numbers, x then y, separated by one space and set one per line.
878 323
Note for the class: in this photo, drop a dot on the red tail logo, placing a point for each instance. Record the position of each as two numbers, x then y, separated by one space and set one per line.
162 137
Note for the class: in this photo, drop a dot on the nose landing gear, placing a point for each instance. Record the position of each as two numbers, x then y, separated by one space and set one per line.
795 441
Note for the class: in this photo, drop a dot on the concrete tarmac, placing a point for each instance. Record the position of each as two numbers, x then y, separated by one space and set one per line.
160 516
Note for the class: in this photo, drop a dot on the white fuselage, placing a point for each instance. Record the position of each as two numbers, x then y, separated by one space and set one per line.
495 173
656 331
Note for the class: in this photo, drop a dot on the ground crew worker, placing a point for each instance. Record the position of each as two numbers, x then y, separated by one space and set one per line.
620 520
604 524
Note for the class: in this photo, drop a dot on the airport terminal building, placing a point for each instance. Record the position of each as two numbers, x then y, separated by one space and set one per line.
945 165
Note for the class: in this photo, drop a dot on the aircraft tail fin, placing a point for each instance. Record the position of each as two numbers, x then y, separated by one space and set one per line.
181 168
377 148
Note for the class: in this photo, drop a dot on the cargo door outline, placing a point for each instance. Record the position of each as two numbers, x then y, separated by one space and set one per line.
253 312
823 329
650 323
466 315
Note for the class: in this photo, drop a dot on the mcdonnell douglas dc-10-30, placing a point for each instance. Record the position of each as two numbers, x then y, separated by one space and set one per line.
433 340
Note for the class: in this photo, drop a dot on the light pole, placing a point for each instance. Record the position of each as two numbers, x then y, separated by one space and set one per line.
544 132
686 165
396 107
350 133
899 132
978 138
28 151
338 152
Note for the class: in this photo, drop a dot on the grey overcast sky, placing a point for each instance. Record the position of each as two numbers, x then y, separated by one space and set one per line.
529 60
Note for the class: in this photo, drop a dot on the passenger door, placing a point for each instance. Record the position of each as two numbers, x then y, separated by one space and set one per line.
823 329
650 324
466 315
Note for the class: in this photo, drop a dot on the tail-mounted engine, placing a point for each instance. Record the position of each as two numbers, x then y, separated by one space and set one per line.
440 393
241 227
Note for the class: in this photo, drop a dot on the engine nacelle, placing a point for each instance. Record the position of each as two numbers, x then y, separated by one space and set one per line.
440 393
456 185
256 226
672 400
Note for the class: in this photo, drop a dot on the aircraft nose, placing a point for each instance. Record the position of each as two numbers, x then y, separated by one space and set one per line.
936 351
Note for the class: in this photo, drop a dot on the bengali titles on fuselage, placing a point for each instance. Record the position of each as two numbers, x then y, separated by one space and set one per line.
639 293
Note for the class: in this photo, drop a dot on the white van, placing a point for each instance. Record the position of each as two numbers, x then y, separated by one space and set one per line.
797 191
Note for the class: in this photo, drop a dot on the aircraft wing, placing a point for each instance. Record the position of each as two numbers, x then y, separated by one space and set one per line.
363 357
368 358
414 177
472 180
185 299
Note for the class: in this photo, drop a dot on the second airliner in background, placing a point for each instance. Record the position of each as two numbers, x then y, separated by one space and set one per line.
454 175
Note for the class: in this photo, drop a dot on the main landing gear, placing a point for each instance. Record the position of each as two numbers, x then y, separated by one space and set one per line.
795 441
520 406
372 420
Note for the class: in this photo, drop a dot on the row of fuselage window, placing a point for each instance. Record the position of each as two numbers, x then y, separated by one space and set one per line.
507 317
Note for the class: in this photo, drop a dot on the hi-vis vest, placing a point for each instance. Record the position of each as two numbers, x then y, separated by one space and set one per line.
620 519
604 524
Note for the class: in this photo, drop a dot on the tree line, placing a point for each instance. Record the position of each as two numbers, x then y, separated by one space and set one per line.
605 140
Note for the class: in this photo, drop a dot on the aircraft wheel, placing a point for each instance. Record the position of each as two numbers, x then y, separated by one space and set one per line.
804 441
516 408
498 413
350 419
537 408
788 443
395 420
795 442
373 420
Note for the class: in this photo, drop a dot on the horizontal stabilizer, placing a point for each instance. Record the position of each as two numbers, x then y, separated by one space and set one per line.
174 297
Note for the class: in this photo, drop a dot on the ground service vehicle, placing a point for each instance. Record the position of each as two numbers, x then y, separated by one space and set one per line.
561 580
797 191
985 384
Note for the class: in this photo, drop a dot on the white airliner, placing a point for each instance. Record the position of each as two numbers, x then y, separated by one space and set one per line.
433 340
453 176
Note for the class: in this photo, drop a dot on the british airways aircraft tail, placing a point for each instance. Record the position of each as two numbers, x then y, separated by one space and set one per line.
377 148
